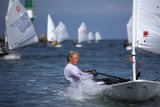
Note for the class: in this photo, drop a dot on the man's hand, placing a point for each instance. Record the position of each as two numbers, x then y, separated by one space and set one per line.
87 71
94 73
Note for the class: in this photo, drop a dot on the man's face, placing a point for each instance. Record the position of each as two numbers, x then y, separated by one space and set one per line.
74 59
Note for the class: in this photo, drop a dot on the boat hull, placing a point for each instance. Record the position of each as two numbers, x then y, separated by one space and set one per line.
139 90
58 46
78 45
11 56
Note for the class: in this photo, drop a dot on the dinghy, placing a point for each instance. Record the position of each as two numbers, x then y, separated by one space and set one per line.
97 37
90 37
82 35
145 36
51 32
61 34
19 30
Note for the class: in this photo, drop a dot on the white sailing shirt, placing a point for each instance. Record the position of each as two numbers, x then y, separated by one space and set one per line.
73 74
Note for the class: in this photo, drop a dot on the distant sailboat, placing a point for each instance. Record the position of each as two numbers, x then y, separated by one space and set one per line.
90 37
128 43
51 32
61 34
82 35
19 29
97 37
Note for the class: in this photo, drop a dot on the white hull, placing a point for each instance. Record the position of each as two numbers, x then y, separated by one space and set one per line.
129 48
58 46
11 56
139 90
78 45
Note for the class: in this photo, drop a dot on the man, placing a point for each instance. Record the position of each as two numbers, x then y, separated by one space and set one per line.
71 72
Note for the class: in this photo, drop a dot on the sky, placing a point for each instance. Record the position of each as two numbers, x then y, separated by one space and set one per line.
109 17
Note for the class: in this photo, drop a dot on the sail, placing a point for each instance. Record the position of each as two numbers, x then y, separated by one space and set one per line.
148 25
82 33
51 30
129 30
90 36
98 36
10 5
20 30
61 32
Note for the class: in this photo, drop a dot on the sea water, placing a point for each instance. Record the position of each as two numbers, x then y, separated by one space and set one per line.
85 89
36 80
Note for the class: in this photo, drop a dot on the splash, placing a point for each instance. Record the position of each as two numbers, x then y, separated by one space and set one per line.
87 89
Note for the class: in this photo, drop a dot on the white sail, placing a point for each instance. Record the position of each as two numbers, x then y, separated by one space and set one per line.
51 30
82 33
20 30
61 32
129 30
10 4
148 25
98 37
90 36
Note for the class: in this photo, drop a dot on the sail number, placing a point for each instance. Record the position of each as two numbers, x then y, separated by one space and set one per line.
22 23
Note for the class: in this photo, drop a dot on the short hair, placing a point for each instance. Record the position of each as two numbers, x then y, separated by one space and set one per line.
70 54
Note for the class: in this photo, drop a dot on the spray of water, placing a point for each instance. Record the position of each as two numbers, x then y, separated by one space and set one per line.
87 89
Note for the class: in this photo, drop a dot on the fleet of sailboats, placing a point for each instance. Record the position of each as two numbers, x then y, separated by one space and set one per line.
19 29
56 35
142 29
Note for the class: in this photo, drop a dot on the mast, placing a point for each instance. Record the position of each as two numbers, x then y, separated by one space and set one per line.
134 34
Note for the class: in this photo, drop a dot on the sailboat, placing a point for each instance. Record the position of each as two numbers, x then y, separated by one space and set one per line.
51 32
19 29
128 43
61 34
97 37
145 36
4 51
90 37
82 35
